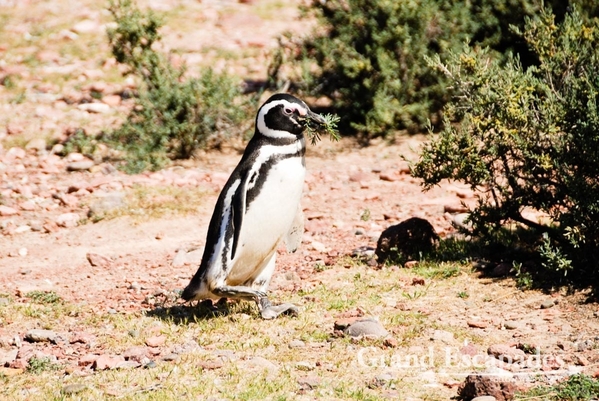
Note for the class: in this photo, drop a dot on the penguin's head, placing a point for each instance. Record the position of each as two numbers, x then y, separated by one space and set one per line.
285 116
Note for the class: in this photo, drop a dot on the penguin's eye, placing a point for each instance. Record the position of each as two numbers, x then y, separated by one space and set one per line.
288 111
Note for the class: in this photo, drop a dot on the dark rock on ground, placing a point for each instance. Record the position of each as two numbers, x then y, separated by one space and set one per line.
406 239
477 386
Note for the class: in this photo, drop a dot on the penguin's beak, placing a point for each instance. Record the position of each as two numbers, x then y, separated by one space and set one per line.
314 118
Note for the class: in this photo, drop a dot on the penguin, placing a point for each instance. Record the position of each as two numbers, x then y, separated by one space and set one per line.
257 209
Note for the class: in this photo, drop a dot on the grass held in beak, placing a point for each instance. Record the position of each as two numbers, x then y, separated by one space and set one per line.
329 127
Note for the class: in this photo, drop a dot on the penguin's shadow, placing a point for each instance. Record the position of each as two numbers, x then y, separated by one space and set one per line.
184 314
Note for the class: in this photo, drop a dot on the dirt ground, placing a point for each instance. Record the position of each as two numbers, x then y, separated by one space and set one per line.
50 241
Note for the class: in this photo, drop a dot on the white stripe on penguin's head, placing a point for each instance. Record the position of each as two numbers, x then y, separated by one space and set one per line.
289 108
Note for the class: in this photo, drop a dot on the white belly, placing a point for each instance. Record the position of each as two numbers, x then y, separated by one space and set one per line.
268 219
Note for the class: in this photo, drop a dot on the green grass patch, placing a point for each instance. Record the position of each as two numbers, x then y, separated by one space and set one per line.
577 388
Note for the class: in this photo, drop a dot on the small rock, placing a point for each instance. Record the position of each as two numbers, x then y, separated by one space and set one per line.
150 365
111 100
73 388
460 220
550 303
366 327
484 398
308 382
211 365
585 345
67 220
581 360
37 144
506 353
100 108
156 341
258 364
442 335
483 385
86 26
297 344
107 362
478 324
469 349
170 357
391 342
40 335
6 211
511 324
27 206
7 357
98 260
129 365
409 239
137 353
305 366
88 359
81 165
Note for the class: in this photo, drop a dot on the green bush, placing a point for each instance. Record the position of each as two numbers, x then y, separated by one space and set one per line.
368 56
174 116
528 138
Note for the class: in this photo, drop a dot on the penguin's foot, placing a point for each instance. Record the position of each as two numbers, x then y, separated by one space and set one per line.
238 292
269 311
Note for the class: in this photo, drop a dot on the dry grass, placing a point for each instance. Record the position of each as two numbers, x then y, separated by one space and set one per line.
237 337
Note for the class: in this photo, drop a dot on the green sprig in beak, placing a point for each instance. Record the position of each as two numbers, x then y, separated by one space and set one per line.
322 124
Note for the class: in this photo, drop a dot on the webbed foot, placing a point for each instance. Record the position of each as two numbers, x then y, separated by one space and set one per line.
269 311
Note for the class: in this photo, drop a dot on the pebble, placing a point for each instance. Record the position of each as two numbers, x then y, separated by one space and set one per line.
477 324
297 344
107 362
40 335
506 353
7 357
366 328
171 357
97 260
305 366
309 382
6 211
37 144
484 398
67 220
511 324
81 165
442 335
459 220
550 303
156 341
100 108
73 388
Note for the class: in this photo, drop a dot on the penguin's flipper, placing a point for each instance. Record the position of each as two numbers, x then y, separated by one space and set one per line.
293 239
237 212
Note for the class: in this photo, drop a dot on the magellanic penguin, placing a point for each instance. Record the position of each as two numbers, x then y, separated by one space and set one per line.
258 208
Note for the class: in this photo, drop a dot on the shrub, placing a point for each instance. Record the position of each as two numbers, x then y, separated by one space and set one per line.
529 138
174 116
368 57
